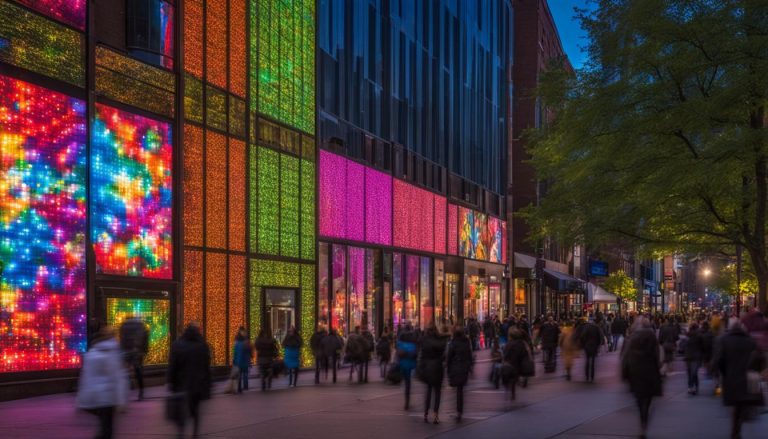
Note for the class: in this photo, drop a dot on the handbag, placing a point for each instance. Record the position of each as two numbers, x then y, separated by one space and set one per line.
394 374
176 407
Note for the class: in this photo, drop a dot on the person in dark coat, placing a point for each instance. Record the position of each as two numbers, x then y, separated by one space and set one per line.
292 346
619 328
459 361
369 348
668 336
356 351
640 367
331 346
134 342
473 328
736 354
266 352
315 343
488 332
590 339
693 357
707 338
515 352
189 373
384 351
431 369
550 336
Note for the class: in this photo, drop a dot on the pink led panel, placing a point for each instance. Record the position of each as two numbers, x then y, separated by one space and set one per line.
414 217
378 207
333 182
440 203
355 201
453 229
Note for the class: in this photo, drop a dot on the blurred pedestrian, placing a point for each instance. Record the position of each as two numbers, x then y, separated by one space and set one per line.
693 357
550 336
241 359
488 332
668 337
134 341
431 368
739 361
103 384
332 344
473 328
384 351
266 352
316 343
569 349
619 327
292 348
590 339
515 354
189 375
640 367
407 352
369 348
459 362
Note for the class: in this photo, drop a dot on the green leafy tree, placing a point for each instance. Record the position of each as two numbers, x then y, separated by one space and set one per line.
621 285
727 281
661 141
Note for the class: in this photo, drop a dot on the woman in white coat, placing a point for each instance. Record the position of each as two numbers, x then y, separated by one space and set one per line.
103 385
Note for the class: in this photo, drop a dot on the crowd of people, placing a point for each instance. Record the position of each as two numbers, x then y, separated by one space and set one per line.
730 350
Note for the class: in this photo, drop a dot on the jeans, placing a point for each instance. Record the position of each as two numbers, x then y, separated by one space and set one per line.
407 380
194 411
293 376
615 342
436 407
693 374
318 365
265 370
383 368
590 367
138 372
242 382
549 358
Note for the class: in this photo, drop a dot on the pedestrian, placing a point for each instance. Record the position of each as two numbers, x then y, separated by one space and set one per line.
459 362
496 360
668 337
384 351
515 354
693 357
474 333
569 349
189 375
241 359
332 345
134 342
103 384
315 343
590 339
407 353
550 336
292 347
369 348
431 368
266 352
355 353
739 362
640 367
488 333
619 328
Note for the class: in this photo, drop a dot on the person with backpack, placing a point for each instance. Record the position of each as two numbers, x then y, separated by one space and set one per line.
266 353
407 352
292 347
384 351
134 342
459 362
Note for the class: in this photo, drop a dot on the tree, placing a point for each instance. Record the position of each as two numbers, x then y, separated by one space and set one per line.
727 284
661 141
621 285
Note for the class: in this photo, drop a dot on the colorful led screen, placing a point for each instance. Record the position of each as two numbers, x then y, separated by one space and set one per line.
71 12
131 194
495 240
154 313
480 236
468 235
42 228
414 211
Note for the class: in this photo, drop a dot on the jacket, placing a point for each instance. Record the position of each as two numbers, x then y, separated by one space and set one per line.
736 354
331 345
459 361
292 350
407 351
266 350
189 366
619 326
315 342
515 351
590 338
242 354
103 381
641 363
694 348
431 364
550 335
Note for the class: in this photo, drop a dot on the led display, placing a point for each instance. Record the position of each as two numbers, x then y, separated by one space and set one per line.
237 208
453 229
440 223
494 234
193 185
71 12
216 306
307 209
42 228
480 236
468 235
32 42
131 194
413 217
289 206
481 229
237 41
193 37
193 286
216 42
378 207
266 203
215 190
154 313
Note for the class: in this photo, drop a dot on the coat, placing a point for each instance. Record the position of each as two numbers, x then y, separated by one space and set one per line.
640 364
569 346
242 354
407 351
590 339
431 364
694 348
103 381
331 345
291 348
459 361
189 366
736 354
515 351
315 342
550 335
384 348
266 351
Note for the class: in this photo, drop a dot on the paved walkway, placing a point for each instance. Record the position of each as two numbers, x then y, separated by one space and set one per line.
549 408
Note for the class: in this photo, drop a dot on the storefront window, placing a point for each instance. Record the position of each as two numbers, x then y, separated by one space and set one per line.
322 298
495 299
372 288
339 289
397 289
427 310
387 302
440 292
452 297
476 298
356 287
412 290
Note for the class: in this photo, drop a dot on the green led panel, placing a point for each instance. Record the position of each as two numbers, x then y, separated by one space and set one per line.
265 185
193 98
237 116
216 106
278 274
289 206
307 210
283 60
35 43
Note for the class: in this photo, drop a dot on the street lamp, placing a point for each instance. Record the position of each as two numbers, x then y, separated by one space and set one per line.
707 272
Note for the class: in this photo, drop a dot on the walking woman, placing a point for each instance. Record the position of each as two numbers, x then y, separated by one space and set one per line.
242 359
431 369
407 351
266 351
460 365
515 353
640 367
292 346
384 351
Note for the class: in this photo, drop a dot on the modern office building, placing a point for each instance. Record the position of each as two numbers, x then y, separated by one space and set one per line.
200 160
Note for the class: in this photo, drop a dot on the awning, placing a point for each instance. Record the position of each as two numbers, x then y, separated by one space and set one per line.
524 261
561 281
597 294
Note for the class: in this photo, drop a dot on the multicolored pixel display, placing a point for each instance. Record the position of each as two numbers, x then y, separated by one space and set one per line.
154 313
42 228
131 194
71 12
480 236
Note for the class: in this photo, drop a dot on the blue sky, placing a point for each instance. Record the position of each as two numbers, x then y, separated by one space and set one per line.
571 34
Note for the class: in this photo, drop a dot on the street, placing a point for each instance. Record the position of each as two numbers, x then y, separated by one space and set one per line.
549 408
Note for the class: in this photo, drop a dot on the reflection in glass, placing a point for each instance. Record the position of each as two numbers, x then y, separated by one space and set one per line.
356 287
322 298
427 309
338 320
397 289
412 290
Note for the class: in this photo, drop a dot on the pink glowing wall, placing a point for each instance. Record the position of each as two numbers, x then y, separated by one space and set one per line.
440 222
378 207
333 196
414 217
453 229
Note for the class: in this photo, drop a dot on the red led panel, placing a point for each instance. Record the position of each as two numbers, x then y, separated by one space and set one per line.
193 37
440 222
237 60
216 42
193 286
237 235
237 280
413 217
216 190
193 185
453 230
216 305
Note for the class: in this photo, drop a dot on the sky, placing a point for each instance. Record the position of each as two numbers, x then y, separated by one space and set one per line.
571 34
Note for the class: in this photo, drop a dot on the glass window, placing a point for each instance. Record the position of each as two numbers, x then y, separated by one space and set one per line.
427 310
338 320
150 31
440 292
322 298
372 289
412 290
387 293
356 287
397 289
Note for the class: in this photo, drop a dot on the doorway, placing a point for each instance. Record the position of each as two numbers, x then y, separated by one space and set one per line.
279 311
